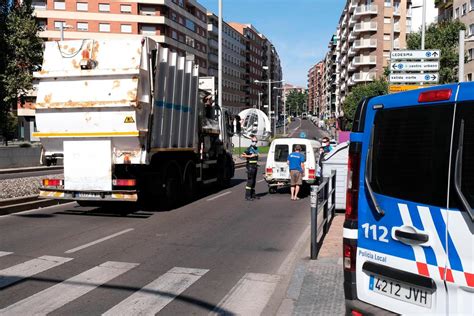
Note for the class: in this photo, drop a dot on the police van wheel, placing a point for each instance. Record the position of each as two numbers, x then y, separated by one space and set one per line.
272 190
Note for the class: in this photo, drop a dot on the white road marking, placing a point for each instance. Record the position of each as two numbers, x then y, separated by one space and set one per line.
249 296
156 295
5 253
60 294
259 181
99 240
218 196
27 269
37 209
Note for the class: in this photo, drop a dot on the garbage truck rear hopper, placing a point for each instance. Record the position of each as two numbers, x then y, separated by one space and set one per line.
128 119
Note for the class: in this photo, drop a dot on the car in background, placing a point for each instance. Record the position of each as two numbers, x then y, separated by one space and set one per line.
304 116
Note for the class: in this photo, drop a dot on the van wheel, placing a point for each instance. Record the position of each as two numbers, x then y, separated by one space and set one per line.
272 190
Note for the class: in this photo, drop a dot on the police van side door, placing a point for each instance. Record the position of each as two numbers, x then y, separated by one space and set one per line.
404 185
459 273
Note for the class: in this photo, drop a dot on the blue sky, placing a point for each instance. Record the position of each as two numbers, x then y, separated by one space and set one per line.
299 29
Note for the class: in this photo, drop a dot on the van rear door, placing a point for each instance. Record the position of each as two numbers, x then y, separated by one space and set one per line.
403 192
280 168
459 274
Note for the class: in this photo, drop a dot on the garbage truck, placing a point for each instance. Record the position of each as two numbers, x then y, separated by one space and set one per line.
130 123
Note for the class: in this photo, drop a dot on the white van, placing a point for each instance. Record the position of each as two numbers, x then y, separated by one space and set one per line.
277 173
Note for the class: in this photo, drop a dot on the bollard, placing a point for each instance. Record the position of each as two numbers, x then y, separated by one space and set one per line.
314 226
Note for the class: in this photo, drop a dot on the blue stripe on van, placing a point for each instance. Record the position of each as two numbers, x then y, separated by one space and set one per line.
416 219
454 259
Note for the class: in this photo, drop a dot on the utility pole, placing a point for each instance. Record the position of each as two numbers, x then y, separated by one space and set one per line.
219 71
461 56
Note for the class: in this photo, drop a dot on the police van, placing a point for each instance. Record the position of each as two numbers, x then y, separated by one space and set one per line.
408 242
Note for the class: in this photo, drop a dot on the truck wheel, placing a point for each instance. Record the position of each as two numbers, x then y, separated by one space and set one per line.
272 189
224 173
172 184
189 183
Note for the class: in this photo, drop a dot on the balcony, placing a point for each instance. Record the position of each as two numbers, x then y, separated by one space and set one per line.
352 51
352 20
397 11
211 28
213 58
364 60
365 27
352 36
366 10
363 76
39 5
352 5
396 27
213 44
396 44
365 43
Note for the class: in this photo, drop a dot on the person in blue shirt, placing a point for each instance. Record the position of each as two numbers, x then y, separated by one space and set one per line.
296 163
251 154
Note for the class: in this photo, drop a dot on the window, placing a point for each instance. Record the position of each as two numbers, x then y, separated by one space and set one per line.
470 32
456 13
82 26
464 9
189 41
465 115
126 28
125 8
386 37
411 153
104 7
174 34
471 5
147 11
57 24
387 20
59 5
470 54
469 77
104 27
388 3
190 25
82 6
148 30
281 153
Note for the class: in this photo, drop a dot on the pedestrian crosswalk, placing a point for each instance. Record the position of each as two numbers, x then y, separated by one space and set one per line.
252 290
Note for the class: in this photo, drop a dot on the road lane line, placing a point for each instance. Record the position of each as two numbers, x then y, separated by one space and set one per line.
29 268
153 297
5 253
259 181
99 240
249 296
218 196
52 298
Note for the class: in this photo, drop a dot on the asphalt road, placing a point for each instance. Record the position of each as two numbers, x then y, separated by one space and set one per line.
218 254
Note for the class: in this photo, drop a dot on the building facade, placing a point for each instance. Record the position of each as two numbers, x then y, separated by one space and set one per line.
180 25
464 11
367 32
315 88
233 57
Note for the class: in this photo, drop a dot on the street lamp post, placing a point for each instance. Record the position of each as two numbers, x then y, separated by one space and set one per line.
63 27
219 53
270 82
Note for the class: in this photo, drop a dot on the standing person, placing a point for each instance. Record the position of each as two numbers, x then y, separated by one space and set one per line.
251 154
326 145
296 163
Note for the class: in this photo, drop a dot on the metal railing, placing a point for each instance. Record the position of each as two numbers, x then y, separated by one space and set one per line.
323 206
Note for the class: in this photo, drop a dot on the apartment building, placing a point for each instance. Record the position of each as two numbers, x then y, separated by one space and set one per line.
273 72
254 56
234 59
315 88
368 30
464 11
445 9
329 81
180 25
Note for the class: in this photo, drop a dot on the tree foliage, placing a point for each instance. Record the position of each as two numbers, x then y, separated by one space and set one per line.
359 92
20 54
296 102
445 37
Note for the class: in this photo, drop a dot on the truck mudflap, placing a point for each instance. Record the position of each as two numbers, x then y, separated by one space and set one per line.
116 195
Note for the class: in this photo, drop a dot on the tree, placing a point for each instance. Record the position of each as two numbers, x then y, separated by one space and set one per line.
359 92
21 54
295 102
445 37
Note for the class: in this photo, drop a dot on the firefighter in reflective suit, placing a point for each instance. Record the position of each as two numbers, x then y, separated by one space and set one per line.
251 154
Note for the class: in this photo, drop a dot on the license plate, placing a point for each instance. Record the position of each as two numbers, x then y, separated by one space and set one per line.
87 195
401 291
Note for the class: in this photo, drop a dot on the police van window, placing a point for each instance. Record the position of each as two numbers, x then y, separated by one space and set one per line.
466 113
411 153
281 153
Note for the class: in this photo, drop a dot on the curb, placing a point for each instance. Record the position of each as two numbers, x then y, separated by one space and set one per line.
32 202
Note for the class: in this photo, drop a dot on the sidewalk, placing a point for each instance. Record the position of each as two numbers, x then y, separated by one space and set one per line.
316 287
